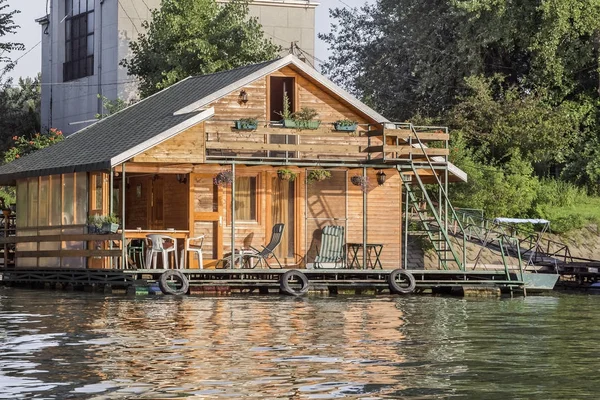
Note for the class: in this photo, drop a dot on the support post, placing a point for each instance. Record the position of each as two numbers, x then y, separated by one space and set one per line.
110 208
232 216
123 242
406 220
364 254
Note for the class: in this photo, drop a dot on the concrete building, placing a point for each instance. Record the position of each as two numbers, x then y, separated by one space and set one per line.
84 40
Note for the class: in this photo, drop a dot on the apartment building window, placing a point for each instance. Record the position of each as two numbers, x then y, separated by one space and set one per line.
79 39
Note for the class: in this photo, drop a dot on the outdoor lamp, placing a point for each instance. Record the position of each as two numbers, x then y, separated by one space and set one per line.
243 97
380 178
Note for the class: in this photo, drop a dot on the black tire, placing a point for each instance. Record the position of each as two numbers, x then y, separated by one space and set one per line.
179 277
405 285
289 285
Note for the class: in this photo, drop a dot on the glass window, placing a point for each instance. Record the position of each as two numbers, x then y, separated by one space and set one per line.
43 201
245 198
79 39
81 198
32 202
22 203
68 216
55 200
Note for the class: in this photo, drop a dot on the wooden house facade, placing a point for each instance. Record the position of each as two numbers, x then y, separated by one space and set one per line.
155 166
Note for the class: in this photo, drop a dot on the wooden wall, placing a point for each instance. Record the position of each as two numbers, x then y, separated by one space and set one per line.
186 147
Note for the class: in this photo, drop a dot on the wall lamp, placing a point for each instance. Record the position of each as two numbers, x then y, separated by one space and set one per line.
181 178
243 97
380 178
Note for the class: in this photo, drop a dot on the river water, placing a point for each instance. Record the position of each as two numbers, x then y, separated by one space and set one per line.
60 345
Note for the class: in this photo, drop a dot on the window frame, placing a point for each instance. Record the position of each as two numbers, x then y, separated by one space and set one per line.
257 200
79 60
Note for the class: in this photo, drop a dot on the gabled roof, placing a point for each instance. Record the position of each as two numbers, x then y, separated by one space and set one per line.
121 136
114 139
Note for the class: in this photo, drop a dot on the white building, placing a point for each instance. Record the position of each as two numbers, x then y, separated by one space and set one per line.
84 40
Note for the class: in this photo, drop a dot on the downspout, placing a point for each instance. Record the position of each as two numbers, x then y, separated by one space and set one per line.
123 242
364 253
232 216
100 94
111 205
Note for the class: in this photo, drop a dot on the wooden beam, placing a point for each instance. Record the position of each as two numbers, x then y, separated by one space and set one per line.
59 238
69 253
310 148
416 151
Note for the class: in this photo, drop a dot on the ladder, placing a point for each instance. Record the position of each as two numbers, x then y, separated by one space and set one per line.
431 219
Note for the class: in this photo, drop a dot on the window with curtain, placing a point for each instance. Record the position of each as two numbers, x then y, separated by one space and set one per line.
245 198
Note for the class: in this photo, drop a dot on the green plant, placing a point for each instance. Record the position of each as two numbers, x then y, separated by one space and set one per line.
287 174
344 122
249 121
24 145
286 113
98 220
317 175
305 114
360 180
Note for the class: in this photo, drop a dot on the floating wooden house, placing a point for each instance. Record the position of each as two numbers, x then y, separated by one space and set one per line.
189 161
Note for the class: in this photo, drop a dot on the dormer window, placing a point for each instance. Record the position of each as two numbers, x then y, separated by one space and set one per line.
280 86
79 39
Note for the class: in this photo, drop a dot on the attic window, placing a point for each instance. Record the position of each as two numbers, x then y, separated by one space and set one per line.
279 86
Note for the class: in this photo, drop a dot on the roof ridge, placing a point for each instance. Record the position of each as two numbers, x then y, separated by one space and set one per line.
235 69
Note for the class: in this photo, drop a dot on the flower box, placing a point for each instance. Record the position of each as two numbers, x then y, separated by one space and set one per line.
289 123
245 126
314 124
344 128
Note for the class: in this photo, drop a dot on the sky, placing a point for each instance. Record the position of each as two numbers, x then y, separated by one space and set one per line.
30 32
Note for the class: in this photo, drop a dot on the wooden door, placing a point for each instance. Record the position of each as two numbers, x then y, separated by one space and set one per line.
157 220
206 217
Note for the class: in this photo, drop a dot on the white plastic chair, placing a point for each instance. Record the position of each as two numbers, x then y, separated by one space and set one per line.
156 244
194 245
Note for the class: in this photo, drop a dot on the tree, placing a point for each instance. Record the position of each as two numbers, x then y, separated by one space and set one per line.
19 110
7 26
195 37
24 145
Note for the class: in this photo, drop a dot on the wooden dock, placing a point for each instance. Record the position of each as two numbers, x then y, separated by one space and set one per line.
329 281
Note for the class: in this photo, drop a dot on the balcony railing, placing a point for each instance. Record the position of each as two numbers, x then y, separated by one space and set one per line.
387 142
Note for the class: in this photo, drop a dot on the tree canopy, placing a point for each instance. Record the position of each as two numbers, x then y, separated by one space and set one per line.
518 82
7 26
195 37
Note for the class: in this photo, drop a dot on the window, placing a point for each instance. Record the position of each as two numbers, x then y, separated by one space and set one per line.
278 87
245 198
79 39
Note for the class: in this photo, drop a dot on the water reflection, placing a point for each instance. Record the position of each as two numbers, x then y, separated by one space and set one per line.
60 345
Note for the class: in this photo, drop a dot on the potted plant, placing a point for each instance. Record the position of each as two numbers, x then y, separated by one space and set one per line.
286 114
286 174
345 125
223 178
317 175
103 223
360 180
305 118
246 124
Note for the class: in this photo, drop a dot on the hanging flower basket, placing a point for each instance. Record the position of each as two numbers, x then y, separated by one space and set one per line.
223 178
317 175
362 181
286 175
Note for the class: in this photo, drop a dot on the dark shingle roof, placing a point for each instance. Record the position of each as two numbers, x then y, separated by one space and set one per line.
93 147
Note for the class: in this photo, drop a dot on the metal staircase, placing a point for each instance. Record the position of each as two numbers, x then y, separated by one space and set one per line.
433 217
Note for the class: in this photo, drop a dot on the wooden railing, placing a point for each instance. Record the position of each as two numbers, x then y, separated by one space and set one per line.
108 239
394 142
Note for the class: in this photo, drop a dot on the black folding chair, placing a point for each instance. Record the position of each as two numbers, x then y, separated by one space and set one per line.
268 250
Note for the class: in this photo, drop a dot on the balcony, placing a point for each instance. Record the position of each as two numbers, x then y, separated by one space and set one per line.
371 143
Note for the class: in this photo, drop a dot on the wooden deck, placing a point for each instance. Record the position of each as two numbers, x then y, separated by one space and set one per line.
264 280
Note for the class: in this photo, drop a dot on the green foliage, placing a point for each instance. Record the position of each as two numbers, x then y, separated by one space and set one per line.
305 114
24 145
286 113
195 37
97 220
19 110
286 174
7 26
248 121
317 175
111 106
345 122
